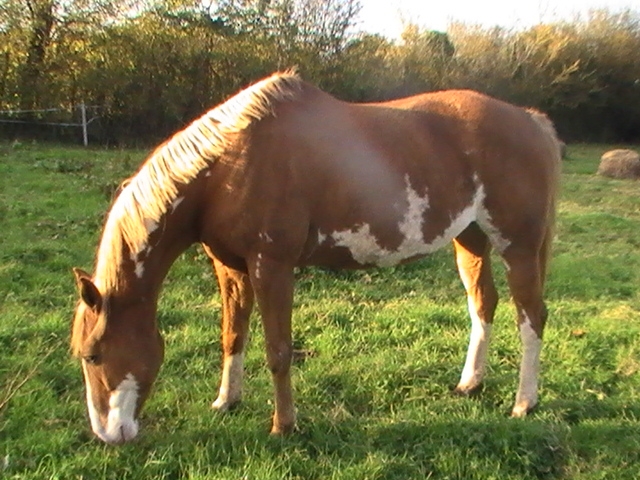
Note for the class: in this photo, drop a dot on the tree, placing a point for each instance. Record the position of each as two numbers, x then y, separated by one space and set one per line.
317 26
425 57
43 30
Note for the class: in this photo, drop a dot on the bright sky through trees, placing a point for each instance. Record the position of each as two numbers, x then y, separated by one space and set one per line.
387 17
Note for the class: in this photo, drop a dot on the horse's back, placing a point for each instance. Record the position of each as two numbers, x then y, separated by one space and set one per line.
512 151
388 181
481 121
443 140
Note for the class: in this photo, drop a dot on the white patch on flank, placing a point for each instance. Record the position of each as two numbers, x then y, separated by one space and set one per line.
499 242
527 395
121 424
475 364
321 238
231 383
364 246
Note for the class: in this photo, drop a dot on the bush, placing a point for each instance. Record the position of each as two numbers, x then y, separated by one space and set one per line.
153 73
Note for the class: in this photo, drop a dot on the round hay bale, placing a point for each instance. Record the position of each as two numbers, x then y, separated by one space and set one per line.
620 163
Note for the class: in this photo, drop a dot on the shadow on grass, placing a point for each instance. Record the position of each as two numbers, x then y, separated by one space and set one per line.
575 412
477 449
441 449
202 443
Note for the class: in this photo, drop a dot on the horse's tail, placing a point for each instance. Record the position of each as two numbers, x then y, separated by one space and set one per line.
555 164
545 123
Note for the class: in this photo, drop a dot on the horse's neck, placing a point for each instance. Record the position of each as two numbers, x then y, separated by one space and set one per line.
140 273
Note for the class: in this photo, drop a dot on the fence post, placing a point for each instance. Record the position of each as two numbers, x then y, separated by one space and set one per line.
83 109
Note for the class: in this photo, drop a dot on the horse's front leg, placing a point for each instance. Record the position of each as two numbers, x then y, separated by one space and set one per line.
237 302
273 286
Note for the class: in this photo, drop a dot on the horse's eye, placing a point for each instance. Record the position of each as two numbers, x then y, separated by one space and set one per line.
91 359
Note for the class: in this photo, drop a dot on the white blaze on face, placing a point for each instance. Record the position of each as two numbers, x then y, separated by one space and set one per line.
527 395
94 416
231 384
121 423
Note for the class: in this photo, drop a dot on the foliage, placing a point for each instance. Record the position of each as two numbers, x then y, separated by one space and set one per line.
153 65
579 73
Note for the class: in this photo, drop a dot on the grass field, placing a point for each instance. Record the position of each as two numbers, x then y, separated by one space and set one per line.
374 400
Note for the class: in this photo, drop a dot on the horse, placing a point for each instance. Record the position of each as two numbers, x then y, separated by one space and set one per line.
284 175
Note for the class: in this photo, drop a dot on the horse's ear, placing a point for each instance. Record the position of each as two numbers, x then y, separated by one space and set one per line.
88 290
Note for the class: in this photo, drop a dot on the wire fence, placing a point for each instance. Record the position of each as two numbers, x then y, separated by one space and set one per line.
81 116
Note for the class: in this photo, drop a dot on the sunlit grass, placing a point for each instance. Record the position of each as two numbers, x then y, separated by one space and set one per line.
373 399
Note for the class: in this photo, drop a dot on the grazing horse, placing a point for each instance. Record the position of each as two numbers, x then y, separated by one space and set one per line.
284 175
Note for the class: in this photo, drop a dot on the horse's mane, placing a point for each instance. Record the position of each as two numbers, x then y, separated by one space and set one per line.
146 198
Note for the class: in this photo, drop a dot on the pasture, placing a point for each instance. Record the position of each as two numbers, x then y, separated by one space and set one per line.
383 348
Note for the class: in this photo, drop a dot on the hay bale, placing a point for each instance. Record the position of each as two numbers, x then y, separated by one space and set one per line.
620 163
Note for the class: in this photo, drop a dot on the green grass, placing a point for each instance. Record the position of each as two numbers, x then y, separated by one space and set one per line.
374 401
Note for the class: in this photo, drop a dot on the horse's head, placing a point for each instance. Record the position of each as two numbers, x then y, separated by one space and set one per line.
121 351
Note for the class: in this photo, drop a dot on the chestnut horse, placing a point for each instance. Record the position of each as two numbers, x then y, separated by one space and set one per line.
283 175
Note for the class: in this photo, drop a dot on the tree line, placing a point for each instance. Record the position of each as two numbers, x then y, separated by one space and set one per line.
151 66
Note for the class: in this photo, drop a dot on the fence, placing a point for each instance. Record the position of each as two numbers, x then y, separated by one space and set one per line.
27 117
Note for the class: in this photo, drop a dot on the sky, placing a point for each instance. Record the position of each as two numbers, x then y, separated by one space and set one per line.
387 16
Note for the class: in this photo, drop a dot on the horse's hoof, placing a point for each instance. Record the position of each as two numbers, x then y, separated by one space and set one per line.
221 405
522 410
468 392
280 430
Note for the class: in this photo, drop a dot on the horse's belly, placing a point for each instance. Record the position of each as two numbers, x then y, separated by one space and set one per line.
360 246
365 249
395 227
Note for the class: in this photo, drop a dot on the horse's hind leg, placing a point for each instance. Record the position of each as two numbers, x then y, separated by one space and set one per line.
525 274
237 302
473 259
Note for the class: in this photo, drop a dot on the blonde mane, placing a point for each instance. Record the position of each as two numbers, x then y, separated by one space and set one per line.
142 203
